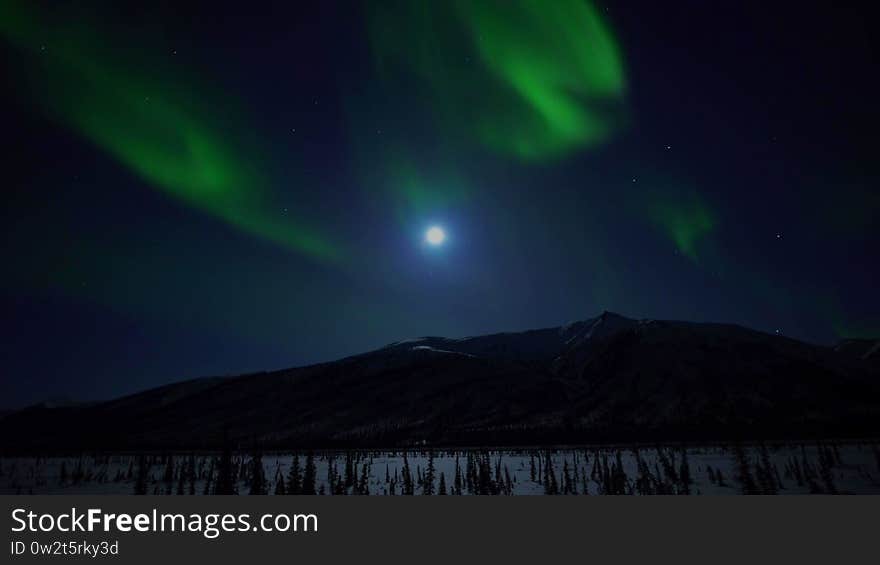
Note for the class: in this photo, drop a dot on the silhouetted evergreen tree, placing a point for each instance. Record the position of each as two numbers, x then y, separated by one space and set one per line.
550 484
684 473
225 483
363 485
191 474
407 488
764 471
644 478
338 487
619 482
457 480
484 480
441 490
711 474
836 451
743 471
181 479
169 474
309 475
140 485
826 469
349 470
294 477
279 482
471 473
566 478
428 479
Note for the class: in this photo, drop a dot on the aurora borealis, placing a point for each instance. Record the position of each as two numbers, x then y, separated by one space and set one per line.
198 188
152 123
527 78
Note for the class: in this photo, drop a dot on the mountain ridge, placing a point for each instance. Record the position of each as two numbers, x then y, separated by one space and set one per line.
604 378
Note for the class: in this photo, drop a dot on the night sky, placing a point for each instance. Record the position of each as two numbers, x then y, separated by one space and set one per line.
212 188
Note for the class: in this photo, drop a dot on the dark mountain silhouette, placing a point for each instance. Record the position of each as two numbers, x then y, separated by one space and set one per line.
609 378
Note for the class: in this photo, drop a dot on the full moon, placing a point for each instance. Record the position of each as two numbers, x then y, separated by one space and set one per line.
435 235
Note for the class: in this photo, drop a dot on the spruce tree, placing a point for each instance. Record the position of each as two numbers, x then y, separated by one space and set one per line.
140 485
294 477
191 474
743 471
684 473
457 481
566 478
309 475
331 474
428 480
441 490
764 472
826 471
279 482
169 474
225 483
364 482
349 470
406 476
257 474
338 487
181 480
209 478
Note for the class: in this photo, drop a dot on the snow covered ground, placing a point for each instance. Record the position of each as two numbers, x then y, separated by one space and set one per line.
721 469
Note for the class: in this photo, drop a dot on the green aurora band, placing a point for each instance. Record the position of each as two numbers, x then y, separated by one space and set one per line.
153 123
529 78
686 221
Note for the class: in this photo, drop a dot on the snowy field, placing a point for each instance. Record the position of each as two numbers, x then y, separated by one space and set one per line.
851 468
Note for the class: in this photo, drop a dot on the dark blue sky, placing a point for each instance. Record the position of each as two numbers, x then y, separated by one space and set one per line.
753 124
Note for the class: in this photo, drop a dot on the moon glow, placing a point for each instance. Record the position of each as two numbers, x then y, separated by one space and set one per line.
435 235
